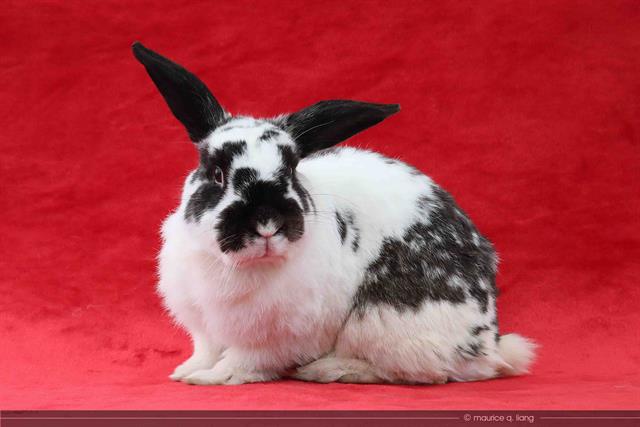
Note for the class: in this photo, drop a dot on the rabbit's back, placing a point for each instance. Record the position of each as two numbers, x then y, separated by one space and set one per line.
426 293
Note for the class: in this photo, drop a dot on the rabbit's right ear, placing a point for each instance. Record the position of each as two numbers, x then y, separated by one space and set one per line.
188 98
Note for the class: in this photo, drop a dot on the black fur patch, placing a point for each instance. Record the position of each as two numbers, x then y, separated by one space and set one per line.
494 324
435 260
351 222
231 149
243 177
290 161
221 157
355 243
479 329
204 198
198 175
347 227
268 134
289 158
262 201
303 194
209 194
471 350
342 227
205 168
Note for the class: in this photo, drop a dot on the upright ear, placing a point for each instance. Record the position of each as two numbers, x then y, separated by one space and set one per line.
328 123
188 98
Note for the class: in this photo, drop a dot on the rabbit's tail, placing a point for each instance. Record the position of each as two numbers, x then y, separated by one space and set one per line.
518 353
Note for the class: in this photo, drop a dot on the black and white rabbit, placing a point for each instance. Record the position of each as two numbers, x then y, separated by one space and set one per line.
287 258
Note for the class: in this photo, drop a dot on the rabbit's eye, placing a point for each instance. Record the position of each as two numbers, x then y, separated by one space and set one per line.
218 176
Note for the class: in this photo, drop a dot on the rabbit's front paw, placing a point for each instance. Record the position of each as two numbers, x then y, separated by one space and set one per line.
206 377
213 376
228 371
191 365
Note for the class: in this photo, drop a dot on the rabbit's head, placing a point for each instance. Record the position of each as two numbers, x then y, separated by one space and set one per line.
246 201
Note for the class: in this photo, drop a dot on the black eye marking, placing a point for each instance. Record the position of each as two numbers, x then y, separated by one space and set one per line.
243 177
204 198
268 134
218 175
212 170
220 158
198 175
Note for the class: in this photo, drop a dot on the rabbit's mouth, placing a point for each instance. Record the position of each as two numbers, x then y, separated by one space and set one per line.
261 260
261 250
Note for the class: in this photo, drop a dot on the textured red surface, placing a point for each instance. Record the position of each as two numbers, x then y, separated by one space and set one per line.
528 112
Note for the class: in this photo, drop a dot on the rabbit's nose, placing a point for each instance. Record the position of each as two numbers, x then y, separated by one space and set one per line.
267 230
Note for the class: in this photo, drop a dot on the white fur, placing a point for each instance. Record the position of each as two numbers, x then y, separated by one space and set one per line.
518 352
257 322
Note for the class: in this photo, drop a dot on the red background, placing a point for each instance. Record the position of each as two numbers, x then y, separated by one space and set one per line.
528 112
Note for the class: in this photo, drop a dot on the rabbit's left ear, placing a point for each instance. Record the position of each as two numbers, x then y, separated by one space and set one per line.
328 123
188 98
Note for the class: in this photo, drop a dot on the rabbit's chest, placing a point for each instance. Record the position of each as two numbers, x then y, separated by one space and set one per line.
261 320
252 325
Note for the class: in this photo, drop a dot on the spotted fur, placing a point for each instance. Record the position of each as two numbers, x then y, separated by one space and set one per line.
375 273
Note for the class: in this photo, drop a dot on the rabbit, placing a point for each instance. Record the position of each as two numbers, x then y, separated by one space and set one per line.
289 257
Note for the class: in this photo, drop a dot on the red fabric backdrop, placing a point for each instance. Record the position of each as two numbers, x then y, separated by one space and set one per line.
527 111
